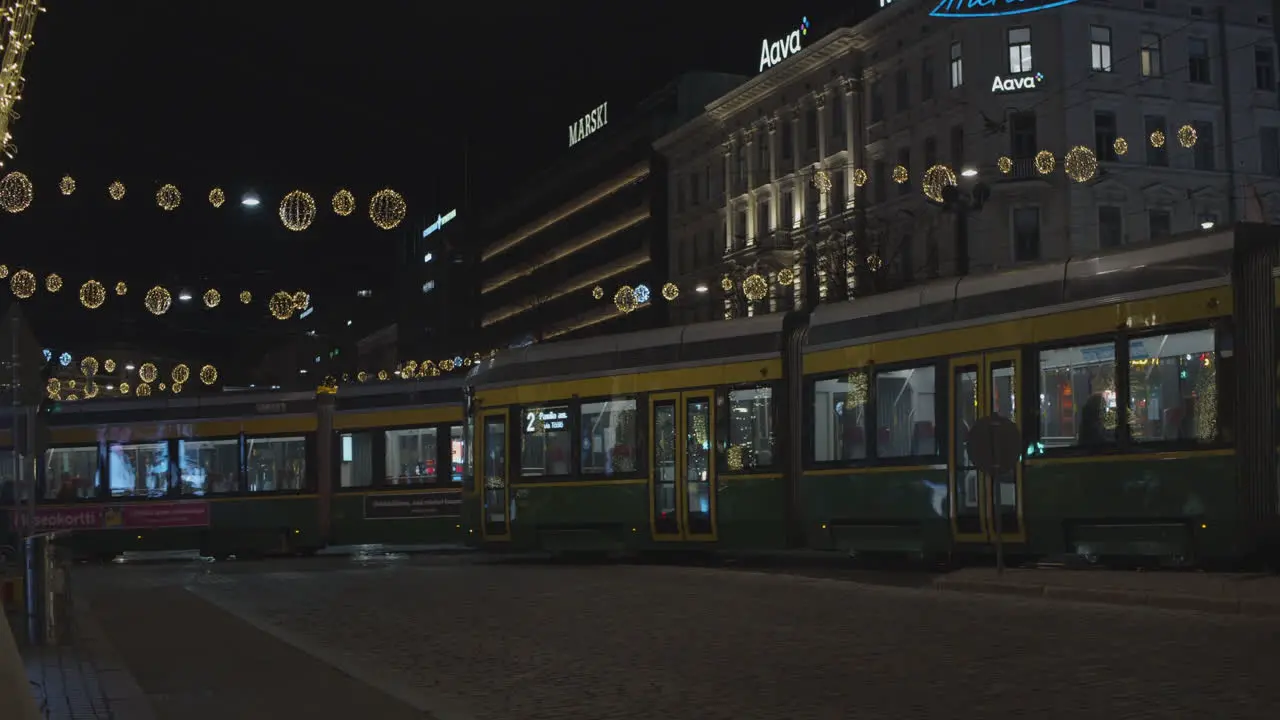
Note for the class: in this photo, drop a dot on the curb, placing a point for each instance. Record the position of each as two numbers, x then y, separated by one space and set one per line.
1110 596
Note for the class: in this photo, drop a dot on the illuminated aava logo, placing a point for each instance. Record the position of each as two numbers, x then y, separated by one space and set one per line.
772 53
993 8
1025 82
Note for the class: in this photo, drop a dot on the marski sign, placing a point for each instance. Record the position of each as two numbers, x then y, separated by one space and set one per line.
992 8
772 53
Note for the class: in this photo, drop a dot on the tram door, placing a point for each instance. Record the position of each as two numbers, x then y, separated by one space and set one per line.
982 385
682 467
495 501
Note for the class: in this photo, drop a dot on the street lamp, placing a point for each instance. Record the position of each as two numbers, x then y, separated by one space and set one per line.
250 199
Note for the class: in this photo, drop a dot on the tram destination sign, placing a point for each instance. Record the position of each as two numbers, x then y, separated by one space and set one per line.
413 506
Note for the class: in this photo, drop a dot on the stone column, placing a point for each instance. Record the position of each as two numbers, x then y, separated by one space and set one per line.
820 106
748 138
727 149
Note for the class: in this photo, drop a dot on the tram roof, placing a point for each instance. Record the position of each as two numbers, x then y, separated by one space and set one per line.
196 407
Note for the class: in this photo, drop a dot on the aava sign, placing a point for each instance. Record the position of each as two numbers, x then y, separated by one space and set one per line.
992 8
1014 84
772 53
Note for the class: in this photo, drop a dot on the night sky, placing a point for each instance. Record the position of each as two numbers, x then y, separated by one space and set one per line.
273 95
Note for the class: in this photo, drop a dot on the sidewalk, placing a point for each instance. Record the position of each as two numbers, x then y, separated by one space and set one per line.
1254 595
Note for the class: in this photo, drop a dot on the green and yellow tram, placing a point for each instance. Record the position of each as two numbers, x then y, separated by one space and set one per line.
847 430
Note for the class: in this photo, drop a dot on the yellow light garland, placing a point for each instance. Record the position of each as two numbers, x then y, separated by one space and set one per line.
387 208
158 300
168 198
92 294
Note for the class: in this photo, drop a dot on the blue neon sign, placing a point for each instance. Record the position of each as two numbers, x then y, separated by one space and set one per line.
993 8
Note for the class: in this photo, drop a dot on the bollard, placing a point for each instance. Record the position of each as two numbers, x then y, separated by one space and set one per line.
44 575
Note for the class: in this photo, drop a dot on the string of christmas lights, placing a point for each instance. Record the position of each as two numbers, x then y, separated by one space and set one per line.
297 210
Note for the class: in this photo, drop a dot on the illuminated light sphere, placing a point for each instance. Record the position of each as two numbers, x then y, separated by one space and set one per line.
162 387
246 297
71 384
935 179
177 388
208 374
901 174
122 288
72 397
297 211
344 203
859 177
168 197
90 390
446 365
874 262
23 284
466 362
382 374
786 276
457 360
211 298
217 197
109 365
144 390
822 181
625 299
1187 136
409 369
1157 138
116 190
47 353
54 386
180 373
301 300
281 305
16 192
92 294
755 287
670 292
362 376
148 372
65 361
1045 162
1080 164
53 283
726 283
642 294
1005 164
158 301
4 271
124 388
89 366
67 184
1121 146
387 208
597 292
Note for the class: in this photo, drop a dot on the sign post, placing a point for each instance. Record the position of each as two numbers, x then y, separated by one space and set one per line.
995 447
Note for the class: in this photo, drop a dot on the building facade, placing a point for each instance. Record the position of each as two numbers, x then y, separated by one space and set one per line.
596 219
818 166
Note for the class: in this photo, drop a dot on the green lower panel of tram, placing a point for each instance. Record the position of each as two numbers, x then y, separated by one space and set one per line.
425 518
580 517
882 510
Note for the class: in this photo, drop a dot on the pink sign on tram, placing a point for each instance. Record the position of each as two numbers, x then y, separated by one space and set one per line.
118 517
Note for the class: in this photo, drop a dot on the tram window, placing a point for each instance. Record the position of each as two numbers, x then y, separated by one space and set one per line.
208 466
356 466
546 446
7 485
277 463
140 470
1173 387
70 473
1078 396
457 453
906 413
840 417
750 429
412 455
609 437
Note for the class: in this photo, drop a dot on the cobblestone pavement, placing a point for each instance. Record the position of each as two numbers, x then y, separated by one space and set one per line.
472 641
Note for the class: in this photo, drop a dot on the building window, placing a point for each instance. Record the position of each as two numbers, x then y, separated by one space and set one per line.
906 413
610 437
679 189
840 417
1269 145
1100 48
957 147
276 463
926 79
1198 60
1020 50
72 474
877 102
930 151
1104 135
1172 387
411 456
1150 55
904 90
762 216
1026 234
957 65
904 159
837 114
880 181
140 470
1022 135
694 192
546 443
1110 227
1264 68
811 128
787 211
1078 396
785 150
213 466
1156 156
838 199
750 429
1159 223
1204 149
